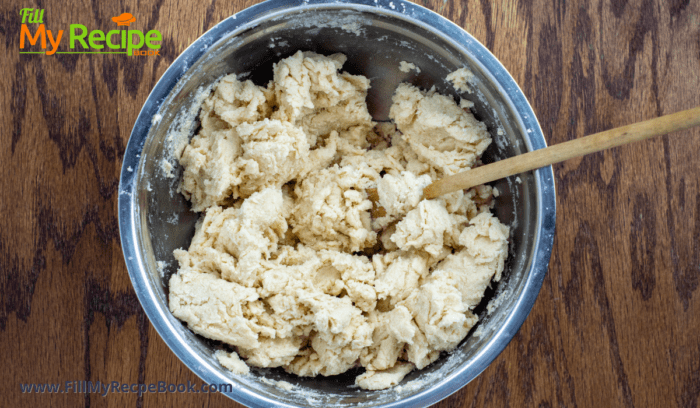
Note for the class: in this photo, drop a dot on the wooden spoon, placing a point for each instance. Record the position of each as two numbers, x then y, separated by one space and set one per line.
564 151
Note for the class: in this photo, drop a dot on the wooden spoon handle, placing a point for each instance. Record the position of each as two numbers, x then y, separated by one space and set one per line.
564 151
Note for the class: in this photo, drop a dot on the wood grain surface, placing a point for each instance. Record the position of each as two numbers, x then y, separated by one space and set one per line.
617 322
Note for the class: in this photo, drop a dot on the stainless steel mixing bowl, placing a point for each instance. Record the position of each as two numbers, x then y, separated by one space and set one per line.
375 35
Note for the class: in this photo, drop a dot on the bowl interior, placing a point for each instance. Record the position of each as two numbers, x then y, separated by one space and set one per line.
375 42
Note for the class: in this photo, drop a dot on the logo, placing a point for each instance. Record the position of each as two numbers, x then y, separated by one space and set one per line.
124 19
84 41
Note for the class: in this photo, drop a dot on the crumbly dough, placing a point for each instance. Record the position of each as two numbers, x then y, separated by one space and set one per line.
460 79
293 263
439 133
408 66
232 362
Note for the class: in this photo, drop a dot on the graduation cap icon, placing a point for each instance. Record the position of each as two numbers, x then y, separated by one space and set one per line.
124 19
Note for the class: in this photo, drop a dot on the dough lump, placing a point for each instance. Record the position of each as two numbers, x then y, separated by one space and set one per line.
408 66
460 79
295 263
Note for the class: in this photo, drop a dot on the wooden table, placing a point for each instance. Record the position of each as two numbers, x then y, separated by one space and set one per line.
617 322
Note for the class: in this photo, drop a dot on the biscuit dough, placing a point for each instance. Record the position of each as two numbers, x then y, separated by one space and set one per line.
408 66
288 265
460 79
232 362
